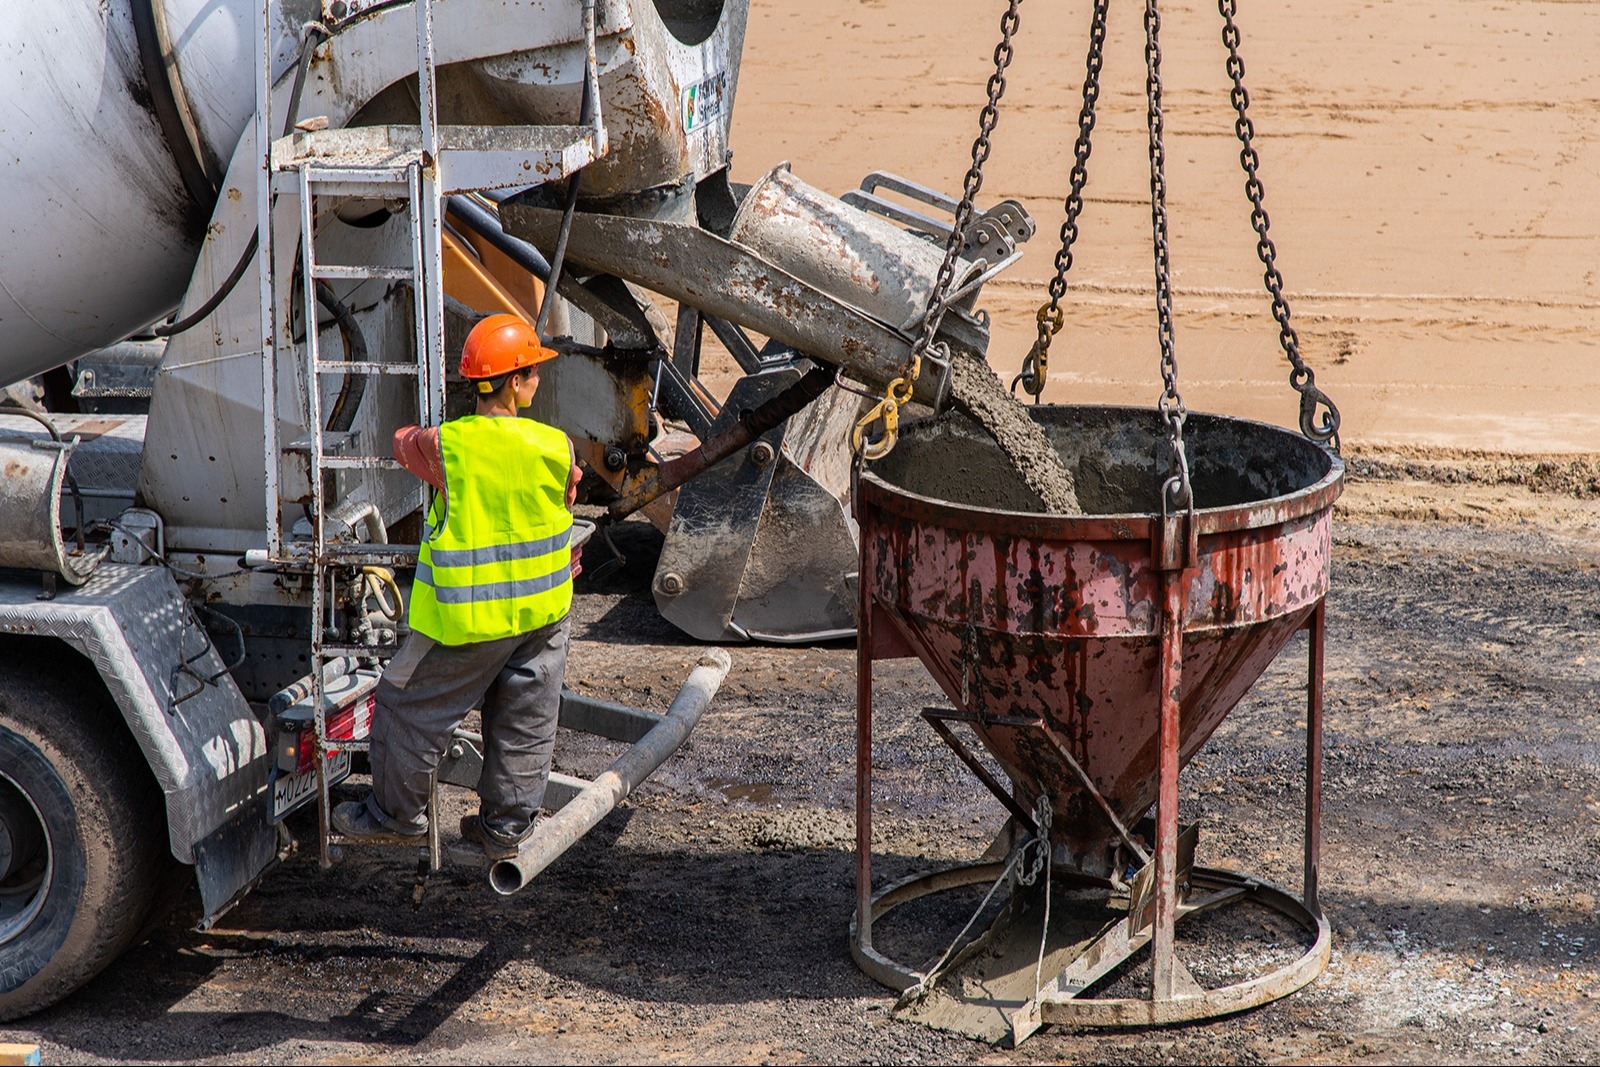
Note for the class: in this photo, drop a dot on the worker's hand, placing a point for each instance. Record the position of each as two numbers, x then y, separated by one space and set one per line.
573 479
577 561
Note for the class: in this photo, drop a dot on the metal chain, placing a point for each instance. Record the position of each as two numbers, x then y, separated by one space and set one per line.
1176 491
1036 364
1321 426
1012 867
1042 818
899 391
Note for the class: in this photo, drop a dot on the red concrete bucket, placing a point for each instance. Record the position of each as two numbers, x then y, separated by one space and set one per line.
1092 655
1045 630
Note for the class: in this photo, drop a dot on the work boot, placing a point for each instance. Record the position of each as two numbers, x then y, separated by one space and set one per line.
360 825
496 846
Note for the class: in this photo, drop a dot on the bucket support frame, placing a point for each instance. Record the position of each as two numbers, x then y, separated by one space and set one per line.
1176 997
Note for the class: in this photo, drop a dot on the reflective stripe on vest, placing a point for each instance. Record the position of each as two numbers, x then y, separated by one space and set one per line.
496 555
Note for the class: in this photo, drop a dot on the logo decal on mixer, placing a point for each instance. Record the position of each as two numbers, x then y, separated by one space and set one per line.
704 101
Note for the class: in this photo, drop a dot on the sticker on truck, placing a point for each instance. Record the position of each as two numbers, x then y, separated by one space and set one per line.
704 101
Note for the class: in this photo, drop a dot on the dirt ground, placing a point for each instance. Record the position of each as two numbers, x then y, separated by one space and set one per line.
1429 169
705 922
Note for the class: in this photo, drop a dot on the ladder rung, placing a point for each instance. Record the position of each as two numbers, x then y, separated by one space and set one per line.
359 651
360 463
405 555
323 270
332 441
325 366
336 175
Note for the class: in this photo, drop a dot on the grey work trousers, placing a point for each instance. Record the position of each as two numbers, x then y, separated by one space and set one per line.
427 690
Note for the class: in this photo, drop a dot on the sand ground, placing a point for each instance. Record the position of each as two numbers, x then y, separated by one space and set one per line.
1430 170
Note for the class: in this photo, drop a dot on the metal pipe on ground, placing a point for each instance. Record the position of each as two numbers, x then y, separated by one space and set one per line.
563 829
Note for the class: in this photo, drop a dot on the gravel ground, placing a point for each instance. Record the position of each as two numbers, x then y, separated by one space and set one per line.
706 920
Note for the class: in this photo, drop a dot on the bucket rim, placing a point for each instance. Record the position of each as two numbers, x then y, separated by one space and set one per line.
1273 511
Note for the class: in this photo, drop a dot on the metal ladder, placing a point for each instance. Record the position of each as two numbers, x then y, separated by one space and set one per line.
420 165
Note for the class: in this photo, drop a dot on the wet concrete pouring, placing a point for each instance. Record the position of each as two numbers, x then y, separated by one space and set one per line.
705 922
975 390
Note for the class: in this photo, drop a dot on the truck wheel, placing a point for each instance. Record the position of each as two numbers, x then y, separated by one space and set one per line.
82 835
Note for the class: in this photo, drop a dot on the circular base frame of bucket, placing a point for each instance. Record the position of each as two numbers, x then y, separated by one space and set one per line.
1123 1011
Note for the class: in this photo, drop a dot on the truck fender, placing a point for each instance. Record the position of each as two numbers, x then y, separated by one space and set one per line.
205 746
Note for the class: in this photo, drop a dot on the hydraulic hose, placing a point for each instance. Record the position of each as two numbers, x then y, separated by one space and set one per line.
302 64
214 301
481 221
354 386
588 113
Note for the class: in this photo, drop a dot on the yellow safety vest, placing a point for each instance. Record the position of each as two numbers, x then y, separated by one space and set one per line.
496 558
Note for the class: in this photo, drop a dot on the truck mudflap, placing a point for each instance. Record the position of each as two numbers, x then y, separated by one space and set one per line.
205 746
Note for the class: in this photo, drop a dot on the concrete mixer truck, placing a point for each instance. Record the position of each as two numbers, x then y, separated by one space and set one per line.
302 205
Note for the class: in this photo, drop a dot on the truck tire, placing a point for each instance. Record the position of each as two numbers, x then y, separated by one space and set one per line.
82 834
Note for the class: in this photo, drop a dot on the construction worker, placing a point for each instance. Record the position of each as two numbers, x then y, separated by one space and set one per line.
488 609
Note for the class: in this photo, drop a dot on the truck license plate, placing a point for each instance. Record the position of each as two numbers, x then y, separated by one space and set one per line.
292 791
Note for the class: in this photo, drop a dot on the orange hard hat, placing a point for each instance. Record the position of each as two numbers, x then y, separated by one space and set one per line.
499 345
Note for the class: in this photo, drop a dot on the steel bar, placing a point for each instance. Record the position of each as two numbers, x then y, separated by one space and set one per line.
990 782
881 968
603 718
1316 634
1060 1001
1098 797
1166 858
736 341
562 830
862 940
1224 1000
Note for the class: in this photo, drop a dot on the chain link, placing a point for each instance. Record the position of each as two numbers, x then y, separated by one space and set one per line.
899 391
1042 819
1176 492
1036 364
1321 426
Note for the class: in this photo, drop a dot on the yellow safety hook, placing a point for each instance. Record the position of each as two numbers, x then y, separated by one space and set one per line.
887 411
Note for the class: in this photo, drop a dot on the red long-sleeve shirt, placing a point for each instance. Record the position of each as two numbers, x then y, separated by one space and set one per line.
418 450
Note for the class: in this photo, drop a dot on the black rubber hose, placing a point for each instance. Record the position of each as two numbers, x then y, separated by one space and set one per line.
481 221
201 313
559 257
354 387
586 113
164 102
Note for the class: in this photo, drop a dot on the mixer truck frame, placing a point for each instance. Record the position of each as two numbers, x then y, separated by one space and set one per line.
198 591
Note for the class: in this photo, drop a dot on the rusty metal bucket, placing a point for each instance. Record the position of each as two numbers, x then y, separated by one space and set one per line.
1094 654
